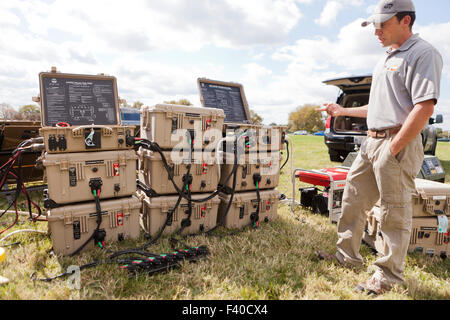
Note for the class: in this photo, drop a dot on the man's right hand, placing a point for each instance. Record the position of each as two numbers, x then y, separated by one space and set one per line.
332 109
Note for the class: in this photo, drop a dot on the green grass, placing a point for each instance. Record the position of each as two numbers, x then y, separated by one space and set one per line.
276 261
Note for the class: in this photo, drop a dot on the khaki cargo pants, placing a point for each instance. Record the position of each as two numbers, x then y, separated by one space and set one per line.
377 175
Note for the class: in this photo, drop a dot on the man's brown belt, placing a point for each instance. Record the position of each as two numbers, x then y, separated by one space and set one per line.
381 134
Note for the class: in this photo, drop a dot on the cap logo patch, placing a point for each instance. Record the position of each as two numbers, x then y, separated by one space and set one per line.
389 6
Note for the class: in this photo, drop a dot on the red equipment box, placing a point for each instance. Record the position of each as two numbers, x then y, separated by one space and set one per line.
323 177
330 199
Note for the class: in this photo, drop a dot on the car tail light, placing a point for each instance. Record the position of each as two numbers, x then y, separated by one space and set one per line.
328 126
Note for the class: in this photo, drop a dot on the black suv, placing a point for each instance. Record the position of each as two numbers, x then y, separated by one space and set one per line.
345 134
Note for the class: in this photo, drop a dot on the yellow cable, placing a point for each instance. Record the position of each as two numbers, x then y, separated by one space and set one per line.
2 254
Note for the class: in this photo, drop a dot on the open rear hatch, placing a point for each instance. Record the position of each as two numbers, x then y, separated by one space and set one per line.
356 91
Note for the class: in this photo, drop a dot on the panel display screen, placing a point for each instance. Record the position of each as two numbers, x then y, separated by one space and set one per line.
78 101
227 98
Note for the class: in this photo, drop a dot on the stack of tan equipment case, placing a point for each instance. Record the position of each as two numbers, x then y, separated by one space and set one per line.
258 158
186 136
89 162
430 226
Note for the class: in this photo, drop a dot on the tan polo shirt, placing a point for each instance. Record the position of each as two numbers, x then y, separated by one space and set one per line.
401 79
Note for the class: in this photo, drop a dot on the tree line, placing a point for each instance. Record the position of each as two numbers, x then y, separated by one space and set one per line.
32 112
306 118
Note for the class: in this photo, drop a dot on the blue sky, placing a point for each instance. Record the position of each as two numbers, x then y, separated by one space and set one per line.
280 50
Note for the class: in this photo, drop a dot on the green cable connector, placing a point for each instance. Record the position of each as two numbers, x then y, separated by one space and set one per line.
100 244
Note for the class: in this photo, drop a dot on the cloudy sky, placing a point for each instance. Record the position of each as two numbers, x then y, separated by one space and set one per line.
280 50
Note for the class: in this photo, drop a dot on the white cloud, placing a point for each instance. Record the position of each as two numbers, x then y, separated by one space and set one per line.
114 37
332 9
8 19
142 25
437 35
329 13
355 49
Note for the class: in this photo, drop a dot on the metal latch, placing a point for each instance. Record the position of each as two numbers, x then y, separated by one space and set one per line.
68 219
64 165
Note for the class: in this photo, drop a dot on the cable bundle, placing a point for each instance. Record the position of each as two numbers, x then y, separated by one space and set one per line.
7 170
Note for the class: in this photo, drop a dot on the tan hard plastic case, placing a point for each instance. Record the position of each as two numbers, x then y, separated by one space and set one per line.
159 124
117 169
205 172
425 237
227 84
262 137
244 204
249 164
120 218
372 235
59 75
15 132
154 214
431 198
111 138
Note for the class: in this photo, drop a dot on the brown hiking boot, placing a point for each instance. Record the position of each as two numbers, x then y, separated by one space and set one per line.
373 286
322 255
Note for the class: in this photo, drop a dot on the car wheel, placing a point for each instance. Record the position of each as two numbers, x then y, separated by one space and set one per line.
337 156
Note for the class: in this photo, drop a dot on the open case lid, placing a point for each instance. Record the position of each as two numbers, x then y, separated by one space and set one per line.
434 190
78 99
228 96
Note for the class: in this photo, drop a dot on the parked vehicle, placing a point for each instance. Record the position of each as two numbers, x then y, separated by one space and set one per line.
131 117
300 133
345 134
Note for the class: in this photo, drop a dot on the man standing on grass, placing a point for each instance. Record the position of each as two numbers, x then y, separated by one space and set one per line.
405 88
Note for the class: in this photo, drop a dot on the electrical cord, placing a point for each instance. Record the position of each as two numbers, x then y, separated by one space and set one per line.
21 231
153 146
96 193
288 154
170 212
16 158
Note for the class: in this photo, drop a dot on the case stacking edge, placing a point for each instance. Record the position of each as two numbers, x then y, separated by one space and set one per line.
167 125
244 205
249 165
431 198
155 212
204 174
425 235
69 176
72 225
260 137
87 138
